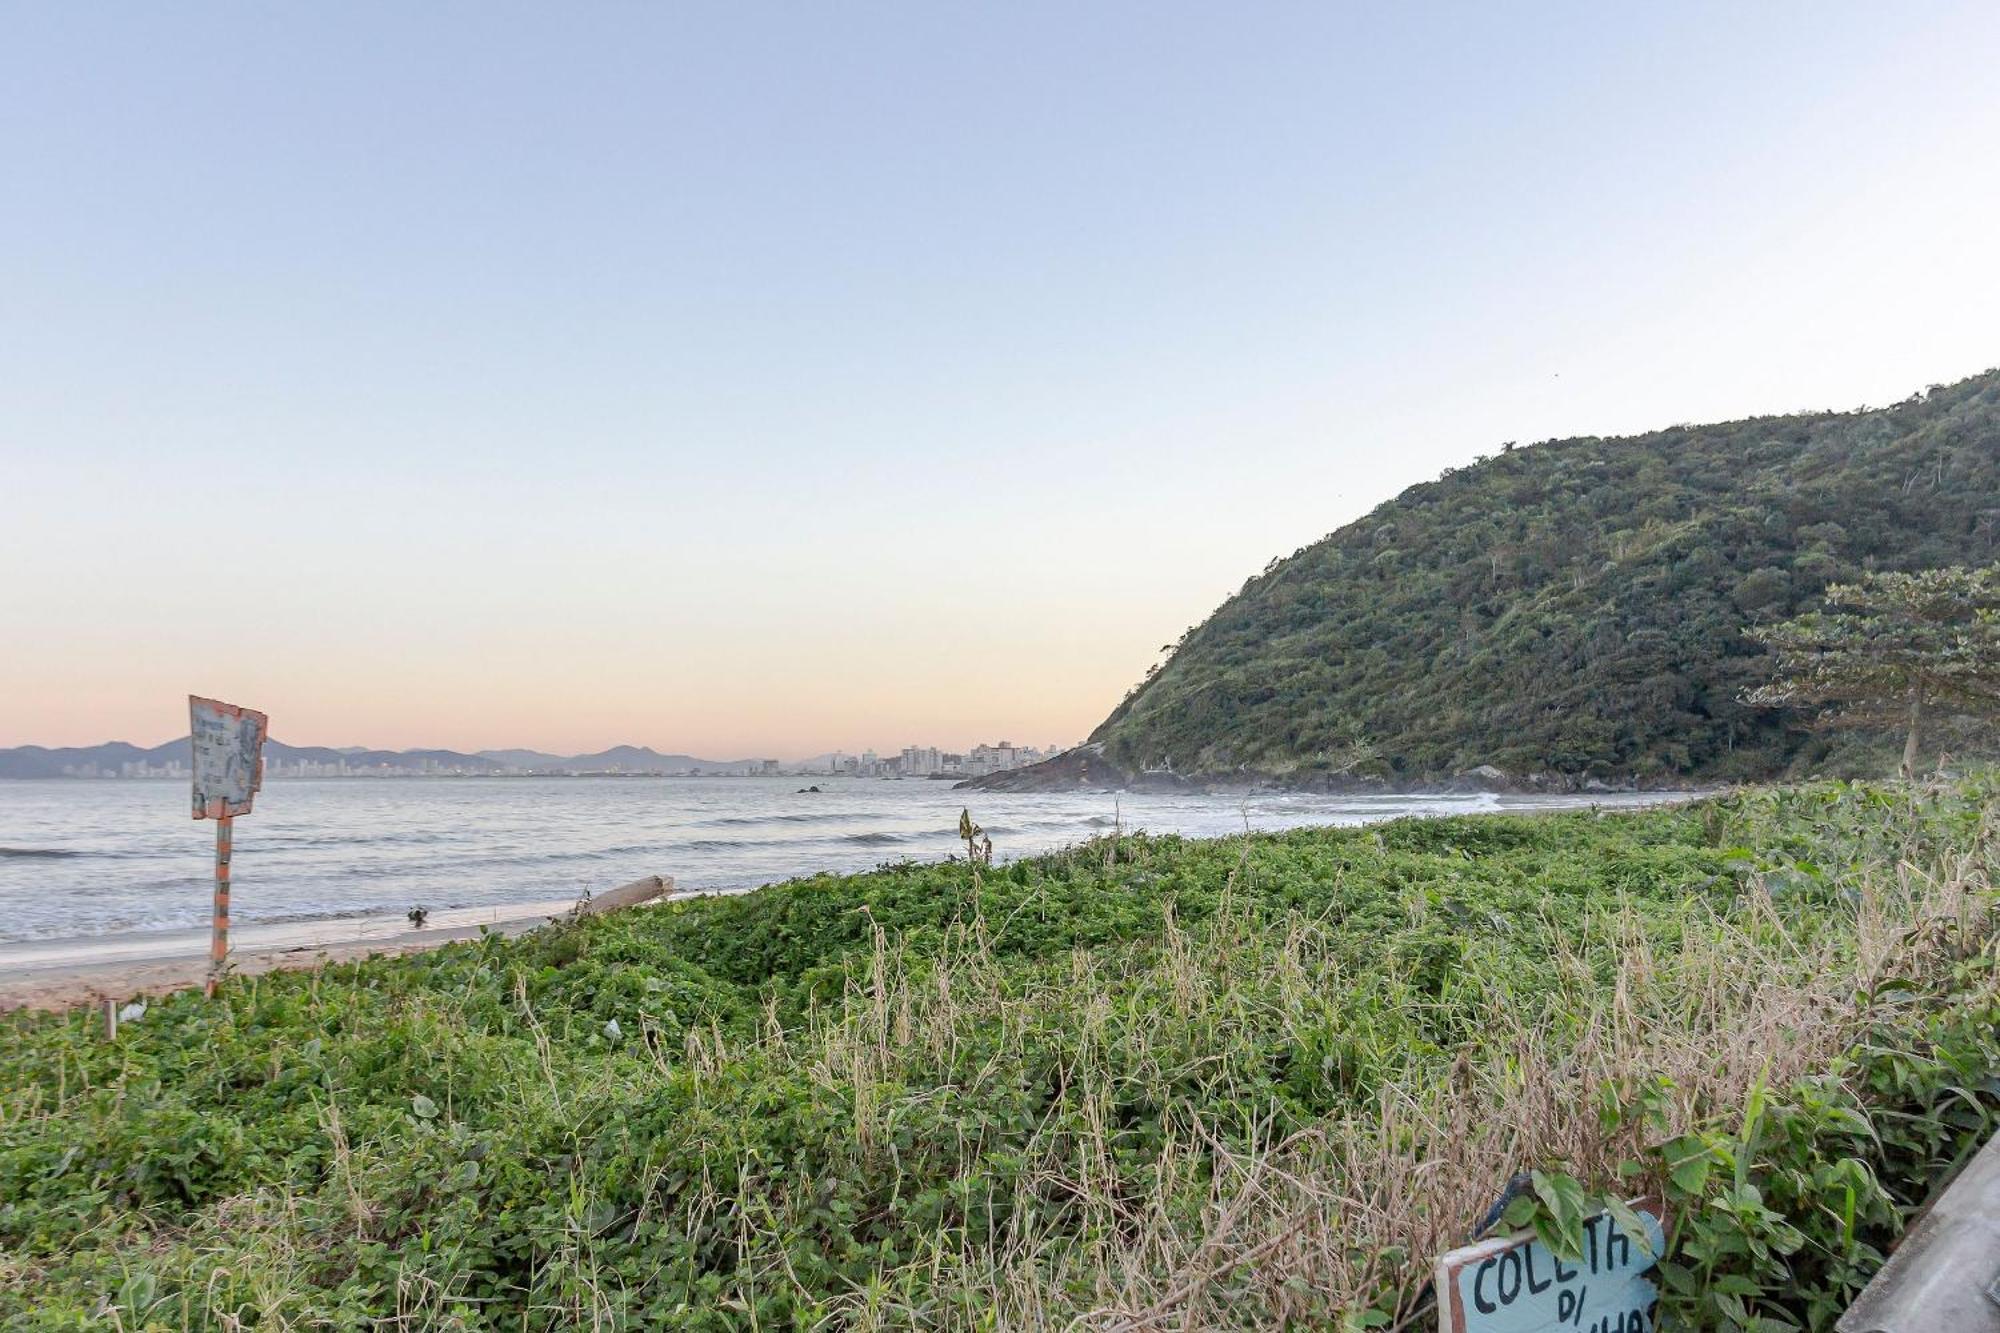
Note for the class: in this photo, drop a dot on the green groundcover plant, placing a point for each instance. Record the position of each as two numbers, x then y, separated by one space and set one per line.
1144 1083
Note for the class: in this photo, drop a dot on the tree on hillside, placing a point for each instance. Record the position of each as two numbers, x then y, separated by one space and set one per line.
1892 650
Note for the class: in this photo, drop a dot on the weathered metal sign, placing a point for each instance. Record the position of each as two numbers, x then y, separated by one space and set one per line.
228 756
1518 1285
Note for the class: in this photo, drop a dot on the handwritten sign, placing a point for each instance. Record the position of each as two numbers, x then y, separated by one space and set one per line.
228 756
1518 1285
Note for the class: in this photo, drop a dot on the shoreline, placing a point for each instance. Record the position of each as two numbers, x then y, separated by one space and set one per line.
67 973
72 971
56 975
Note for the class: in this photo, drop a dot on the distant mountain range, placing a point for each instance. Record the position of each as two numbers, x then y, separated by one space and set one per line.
117 758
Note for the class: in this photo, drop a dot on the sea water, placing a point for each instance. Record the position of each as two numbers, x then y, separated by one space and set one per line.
83 858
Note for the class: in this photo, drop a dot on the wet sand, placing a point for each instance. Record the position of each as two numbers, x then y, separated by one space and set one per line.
63 974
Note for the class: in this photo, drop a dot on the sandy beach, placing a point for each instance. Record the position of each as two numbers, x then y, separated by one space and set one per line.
61 974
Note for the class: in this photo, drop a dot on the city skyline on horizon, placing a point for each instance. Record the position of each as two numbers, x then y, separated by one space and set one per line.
789 757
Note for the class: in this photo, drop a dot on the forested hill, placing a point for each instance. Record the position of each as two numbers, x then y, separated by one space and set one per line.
1574 607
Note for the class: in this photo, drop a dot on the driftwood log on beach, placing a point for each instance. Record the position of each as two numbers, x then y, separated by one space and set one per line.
629 895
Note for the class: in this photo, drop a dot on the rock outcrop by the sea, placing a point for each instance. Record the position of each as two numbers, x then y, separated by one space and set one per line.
1088 768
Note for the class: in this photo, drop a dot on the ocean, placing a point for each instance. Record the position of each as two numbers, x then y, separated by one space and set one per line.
82 858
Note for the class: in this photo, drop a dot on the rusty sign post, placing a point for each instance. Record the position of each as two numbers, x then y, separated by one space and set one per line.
228 746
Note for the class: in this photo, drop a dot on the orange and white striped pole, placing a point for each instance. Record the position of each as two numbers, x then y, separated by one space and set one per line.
218 945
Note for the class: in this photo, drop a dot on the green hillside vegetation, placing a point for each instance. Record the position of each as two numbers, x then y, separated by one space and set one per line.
1147 1083
1577 608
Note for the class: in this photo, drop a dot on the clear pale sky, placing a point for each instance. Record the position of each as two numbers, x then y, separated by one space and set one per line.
760 379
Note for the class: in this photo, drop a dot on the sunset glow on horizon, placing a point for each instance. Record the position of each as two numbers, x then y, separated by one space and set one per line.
763 383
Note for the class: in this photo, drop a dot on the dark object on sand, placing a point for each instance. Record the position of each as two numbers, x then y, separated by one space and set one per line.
418 915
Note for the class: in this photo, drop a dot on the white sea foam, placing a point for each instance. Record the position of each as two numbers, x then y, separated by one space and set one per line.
100 858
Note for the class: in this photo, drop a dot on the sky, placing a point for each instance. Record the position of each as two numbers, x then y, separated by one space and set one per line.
756 379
